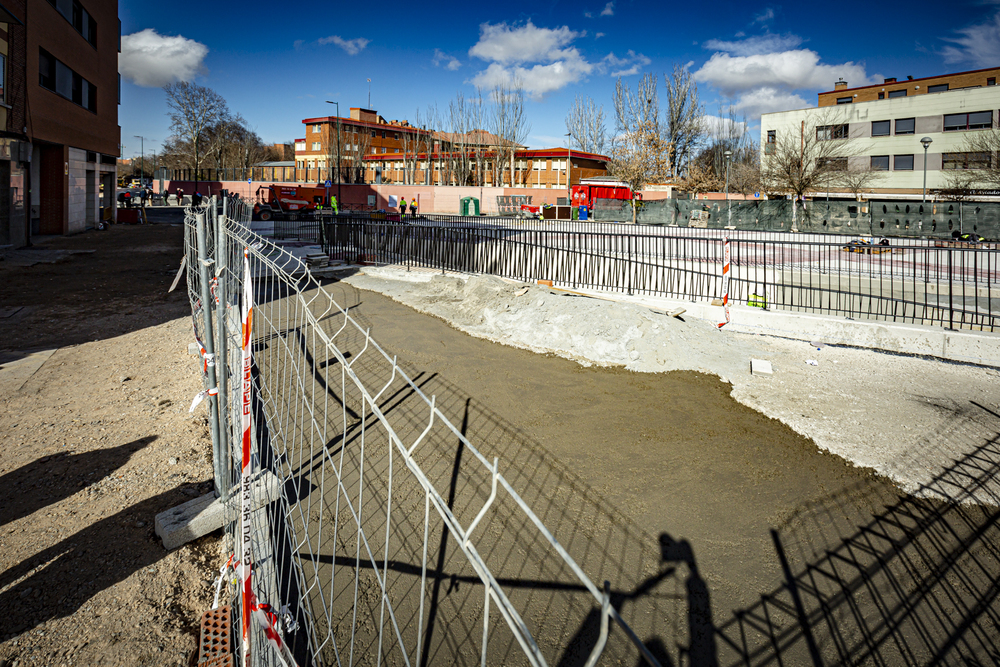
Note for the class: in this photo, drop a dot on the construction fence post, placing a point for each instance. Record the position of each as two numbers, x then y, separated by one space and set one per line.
221 262
213 396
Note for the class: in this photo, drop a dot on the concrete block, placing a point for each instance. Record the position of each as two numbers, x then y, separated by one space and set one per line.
196 518
194 349
760 367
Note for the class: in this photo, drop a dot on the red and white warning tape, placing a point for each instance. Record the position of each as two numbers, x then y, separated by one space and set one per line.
246 555
201 396
725 280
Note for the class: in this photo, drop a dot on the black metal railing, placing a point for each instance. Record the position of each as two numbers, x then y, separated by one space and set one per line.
944 286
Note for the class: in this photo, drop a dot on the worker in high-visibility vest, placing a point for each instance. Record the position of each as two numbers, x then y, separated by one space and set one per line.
402 206
333 205
413 206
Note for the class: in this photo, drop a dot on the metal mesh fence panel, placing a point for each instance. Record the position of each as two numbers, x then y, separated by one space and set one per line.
394 520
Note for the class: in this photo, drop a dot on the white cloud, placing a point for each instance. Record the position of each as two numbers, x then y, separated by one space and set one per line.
977 44
631 64
756 45
540 57
441 58
765 16
588 15
154 60
506 44
791 70
609 9
719 126
352 46
768 100
599 35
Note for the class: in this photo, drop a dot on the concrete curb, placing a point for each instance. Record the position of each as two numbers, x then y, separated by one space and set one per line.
968 347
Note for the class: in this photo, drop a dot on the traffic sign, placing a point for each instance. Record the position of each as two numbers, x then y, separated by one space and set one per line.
756 195
250 181
329 183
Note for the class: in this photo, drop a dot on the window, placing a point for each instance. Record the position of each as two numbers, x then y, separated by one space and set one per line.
383 149
897 93
54 75
939 88
880 128
315 145
902 162
828 132
315 129
977 120
832 163
966 161
844 100
374 150
880 163
300 145
881 96
373 134
771 136
310 164
769 144
992 81
538 165
383 134
905 125
79 17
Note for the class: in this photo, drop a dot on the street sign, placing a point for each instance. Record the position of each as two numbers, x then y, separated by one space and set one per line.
756 195
249 181
329 183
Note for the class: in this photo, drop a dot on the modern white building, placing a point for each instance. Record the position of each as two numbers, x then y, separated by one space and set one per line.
884 135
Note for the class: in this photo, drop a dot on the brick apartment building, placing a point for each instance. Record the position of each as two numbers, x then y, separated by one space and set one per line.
363 133
15 151
891 89
71 60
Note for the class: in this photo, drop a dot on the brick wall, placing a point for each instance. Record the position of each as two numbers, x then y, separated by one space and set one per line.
914 87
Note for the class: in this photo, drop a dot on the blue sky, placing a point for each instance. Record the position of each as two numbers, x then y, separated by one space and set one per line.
278 63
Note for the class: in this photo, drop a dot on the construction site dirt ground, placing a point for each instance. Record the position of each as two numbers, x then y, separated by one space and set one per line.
787 551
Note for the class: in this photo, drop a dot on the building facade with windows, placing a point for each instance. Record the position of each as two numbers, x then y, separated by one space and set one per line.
364 132
884 135
71 59
547 168
890 88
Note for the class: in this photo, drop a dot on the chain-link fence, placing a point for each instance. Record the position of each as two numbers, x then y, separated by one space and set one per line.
391 519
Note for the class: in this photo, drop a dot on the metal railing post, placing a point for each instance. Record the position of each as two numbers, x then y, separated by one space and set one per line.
221 261
213 398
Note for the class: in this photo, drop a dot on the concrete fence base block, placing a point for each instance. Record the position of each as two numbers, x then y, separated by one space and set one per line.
200 516
760 367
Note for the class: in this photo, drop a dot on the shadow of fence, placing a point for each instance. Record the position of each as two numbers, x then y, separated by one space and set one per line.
914 583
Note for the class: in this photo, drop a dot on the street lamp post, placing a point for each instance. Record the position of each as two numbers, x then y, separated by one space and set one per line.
337 104
926 141
729 159
142 157
569 171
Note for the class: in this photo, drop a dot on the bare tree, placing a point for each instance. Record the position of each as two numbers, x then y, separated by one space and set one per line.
460 127
638 151
509 123
193 109
585 123
806 160
976 164
682 124
857 180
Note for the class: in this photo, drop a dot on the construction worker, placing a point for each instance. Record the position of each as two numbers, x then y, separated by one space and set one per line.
413 206
402 207
333 205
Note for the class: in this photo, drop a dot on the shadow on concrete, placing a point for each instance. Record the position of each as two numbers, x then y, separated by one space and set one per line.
914 583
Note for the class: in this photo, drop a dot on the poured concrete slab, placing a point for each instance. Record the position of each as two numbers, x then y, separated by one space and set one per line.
17 367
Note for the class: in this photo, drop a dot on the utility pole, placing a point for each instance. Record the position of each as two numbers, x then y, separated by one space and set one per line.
729 205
